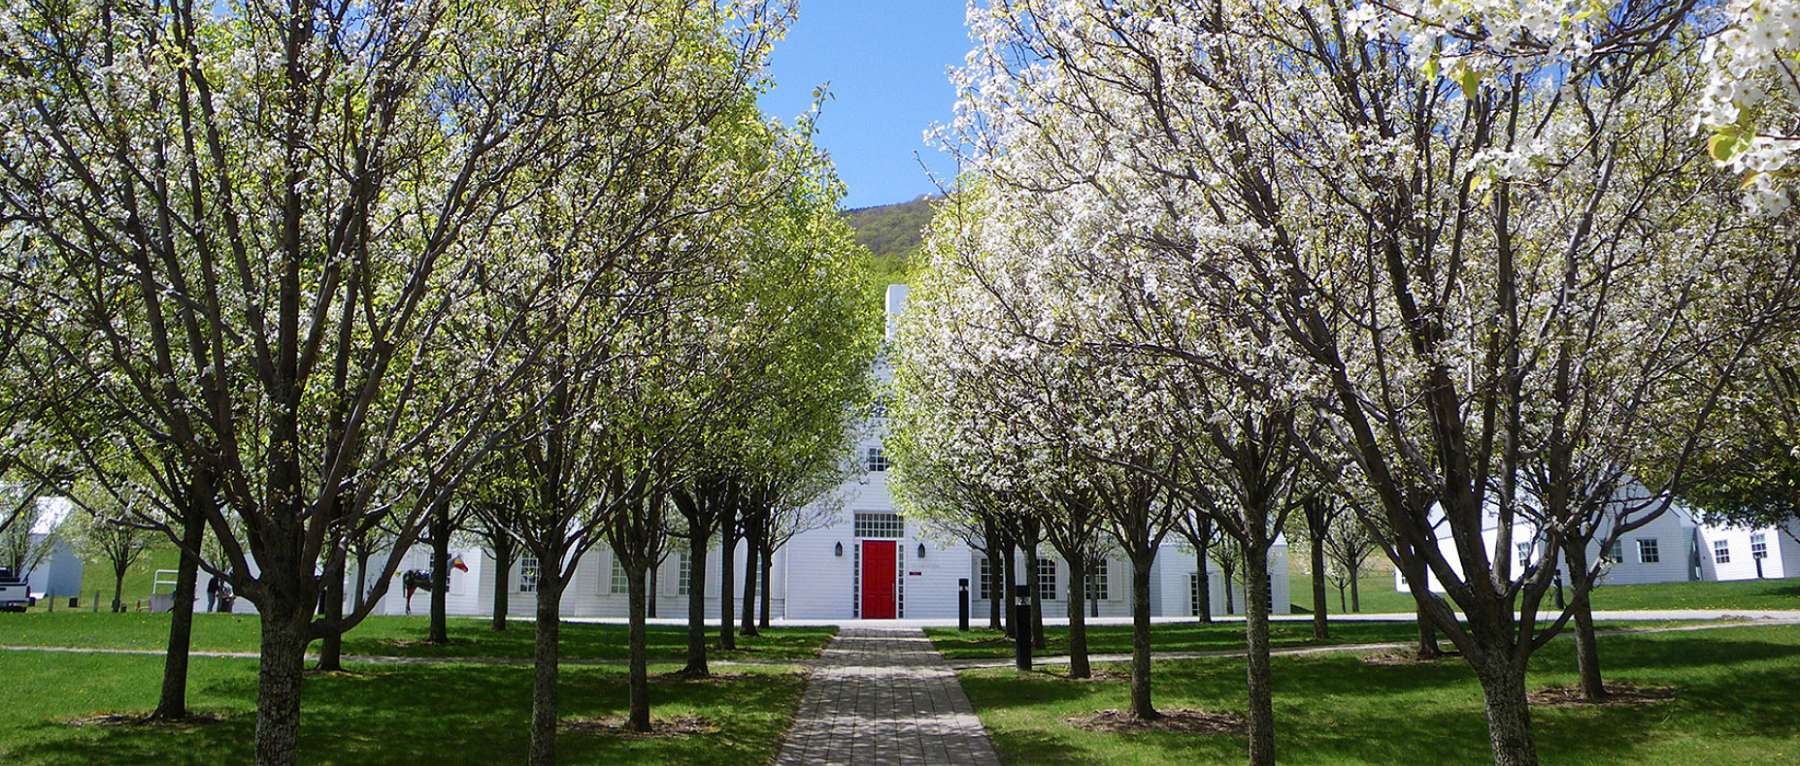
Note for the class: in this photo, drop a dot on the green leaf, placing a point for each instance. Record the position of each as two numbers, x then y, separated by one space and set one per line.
1431 69
1726 144
1468 77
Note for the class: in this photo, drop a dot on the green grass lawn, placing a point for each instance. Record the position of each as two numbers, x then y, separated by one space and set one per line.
395 636
1735 703
1378 595
441 714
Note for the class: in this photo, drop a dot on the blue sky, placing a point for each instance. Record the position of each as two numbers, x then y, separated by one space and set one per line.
885 62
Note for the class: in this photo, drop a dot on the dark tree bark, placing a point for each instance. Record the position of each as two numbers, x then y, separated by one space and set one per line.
696 629
1204 545
1587 649
1508 712
752 567
1078 649
331 644
1006 590
1355 598
1031 586
503 556
728 540
171 705
440 573
1316 511
362 578
639 682
1428 642
996 566
545 659
283 656
1140 637
1256 643
768 570
118 601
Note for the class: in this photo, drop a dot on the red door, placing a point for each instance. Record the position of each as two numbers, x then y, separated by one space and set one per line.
878 579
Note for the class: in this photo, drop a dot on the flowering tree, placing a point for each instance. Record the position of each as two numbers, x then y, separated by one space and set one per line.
1427 222
264 222
1751 103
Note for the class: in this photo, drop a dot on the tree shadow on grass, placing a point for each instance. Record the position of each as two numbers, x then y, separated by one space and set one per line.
1334 708
449 714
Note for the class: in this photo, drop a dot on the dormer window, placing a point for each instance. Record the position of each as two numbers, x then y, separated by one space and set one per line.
875 460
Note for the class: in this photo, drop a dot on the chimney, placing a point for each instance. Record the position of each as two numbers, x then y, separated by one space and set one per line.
896 303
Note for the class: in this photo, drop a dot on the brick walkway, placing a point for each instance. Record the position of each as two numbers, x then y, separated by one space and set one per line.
881 697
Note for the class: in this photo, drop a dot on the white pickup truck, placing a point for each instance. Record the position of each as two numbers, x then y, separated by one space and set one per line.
14 595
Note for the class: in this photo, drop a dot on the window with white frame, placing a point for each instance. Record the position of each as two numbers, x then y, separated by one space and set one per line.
982 589
528 573
683 580
875 460
1759 546
1721 552
881 526
1616 551
1647 551
1194 593
1046 572
1096 580
620 584
1524 554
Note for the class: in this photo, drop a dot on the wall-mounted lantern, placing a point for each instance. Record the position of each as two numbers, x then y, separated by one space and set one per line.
921 550
838 549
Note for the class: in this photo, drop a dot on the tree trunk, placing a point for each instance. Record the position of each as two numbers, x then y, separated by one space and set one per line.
696 628
1140 638
1256 650
1321 630
768 568
1587 648
1204 577
172 705
362 578
545 661
1428 643
650 599
440 574
1006 590
996 597
639 681
1230 605
280 673
1078 649
118 604
727 579
331 645
1037 600
503 549
751 568
1342 604
1508 714
1355 598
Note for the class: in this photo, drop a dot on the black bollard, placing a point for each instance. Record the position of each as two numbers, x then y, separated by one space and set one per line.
962 604
1022 618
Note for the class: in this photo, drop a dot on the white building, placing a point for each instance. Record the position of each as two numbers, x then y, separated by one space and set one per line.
869 563
1676 546
1735 553
58 571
